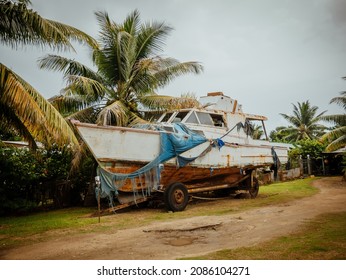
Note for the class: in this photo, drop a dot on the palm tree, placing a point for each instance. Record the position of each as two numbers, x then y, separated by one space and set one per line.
129 71
304 122
279 134
21 106
337 136
257 131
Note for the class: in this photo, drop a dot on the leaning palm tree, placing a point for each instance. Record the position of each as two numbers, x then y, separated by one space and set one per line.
303 123
129 71
337 136
21 106
25 110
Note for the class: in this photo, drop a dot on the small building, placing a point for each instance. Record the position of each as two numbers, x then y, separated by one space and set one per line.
332 162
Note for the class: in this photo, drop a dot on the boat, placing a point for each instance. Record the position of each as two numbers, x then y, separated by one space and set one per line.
183 153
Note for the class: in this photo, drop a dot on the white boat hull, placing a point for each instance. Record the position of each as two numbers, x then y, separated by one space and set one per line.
119 144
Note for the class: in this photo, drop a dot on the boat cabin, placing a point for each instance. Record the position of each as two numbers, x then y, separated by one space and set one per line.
218 113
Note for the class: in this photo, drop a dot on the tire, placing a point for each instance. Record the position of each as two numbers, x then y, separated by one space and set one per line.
253 190
176 197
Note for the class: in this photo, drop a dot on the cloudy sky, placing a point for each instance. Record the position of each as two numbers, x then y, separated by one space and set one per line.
267 54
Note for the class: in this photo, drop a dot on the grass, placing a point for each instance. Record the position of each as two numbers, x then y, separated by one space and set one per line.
278 193
324 238
27 229
41 222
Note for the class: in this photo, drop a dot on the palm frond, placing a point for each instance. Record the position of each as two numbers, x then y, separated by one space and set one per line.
21 26
113 59
340 100
164 102
334 133
142 78
336 138
116 112
318 117
338 143
156 102
88 115
338 119
72 33
67 67
107 27
172 68
150 39
134 119
132 22
68 103
40 118
92 90
9 120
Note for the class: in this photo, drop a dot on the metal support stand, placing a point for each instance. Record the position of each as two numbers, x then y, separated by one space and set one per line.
309 165
98 184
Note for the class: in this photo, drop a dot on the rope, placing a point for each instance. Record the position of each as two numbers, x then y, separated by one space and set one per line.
239 125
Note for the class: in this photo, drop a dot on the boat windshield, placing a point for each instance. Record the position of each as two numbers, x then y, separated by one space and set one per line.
165 117
194 117
205 118
179 117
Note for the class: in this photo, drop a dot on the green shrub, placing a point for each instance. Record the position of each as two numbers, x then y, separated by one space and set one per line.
30 179
313 148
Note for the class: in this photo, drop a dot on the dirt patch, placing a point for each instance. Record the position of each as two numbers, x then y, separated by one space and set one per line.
192 236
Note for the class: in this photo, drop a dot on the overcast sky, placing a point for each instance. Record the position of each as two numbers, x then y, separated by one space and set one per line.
267 54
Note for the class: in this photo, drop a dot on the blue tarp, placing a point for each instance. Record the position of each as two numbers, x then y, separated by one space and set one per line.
172 145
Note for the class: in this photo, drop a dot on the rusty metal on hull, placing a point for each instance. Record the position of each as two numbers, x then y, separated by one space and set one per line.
203 179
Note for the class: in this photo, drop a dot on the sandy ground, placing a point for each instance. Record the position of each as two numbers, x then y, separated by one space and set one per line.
192 236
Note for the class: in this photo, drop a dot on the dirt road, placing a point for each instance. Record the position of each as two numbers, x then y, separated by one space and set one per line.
192 236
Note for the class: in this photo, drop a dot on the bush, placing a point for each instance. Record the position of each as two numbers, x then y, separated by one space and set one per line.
313 148
304 148
31 179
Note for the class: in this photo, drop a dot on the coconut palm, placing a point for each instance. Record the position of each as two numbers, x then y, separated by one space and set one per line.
303 123
258 132
129 70
337 136
279 134
21 106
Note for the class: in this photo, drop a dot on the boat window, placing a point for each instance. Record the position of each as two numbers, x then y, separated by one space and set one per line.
179 117
166 117
255 130
192 118
218 120
205 118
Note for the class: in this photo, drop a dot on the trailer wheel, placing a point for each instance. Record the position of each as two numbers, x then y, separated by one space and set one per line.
253 190
176 197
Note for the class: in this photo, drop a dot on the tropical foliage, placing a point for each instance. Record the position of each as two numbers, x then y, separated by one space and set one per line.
305 147
279 134
21 106
304 123
129 71
337 136
20 25
30 179
258 132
